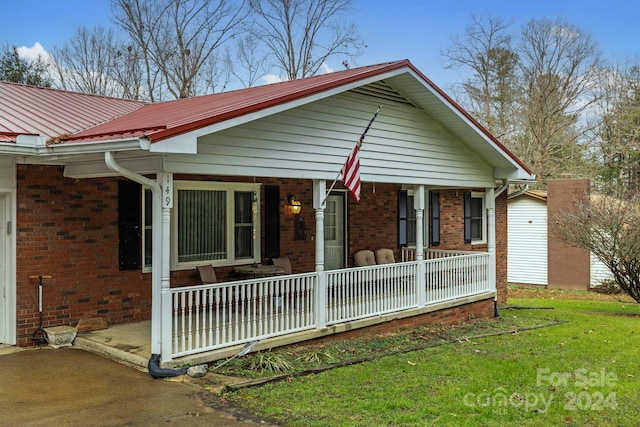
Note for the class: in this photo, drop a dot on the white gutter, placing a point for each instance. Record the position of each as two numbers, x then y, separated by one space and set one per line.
31 147
157 264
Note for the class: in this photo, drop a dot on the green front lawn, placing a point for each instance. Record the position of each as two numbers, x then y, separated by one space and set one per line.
583 372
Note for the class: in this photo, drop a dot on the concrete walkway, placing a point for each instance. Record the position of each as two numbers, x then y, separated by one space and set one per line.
129 343
73 387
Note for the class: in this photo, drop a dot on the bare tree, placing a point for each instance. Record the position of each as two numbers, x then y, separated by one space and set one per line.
128 71
558 69
250 62
619 130
86 61
303 34
491 91
178 40
608 227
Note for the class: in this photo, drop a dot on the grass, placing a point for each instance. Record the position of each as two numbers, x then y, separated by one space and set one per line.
582 372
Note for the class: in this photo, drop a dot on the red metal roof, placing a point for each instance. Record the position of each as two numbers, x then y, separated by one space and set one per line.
69 117
163 120
31 110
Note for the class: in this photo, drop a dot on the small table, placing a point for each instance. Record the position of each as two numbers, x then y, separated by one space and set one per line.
258 270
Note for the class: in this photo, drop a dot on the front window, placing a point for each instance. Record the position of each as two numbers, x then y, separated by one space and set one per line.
411 221
202 225
214 223
478 230
244 224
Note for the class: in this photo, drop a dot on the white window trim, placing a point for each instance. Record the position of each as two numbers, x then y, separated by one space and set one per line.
230 188
481 196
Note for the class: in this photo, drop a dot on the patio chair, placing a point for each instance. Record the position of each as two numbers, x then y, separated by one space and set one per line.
385 256
207 274
284 263
364 258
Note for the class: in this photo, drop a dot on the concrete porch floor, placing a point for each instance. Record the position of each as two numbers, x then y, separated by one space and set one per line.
129 344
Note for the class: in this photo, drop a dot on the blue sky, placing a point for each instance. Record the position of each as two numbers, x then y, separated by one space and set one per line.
417 30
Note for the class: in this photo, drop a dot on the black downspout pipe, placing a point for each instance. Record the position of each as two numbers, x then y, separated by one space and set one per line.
157 372
495 308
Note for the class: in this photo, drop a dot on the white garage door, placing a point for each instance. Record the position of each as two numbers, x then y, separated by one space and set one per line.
527 241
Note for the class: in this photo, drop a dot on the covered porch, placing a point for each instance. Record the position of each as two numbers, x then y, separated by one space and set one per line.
211 322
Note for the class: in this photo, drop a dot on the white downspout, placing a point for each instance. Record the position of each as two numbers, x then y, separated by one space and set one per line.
157 265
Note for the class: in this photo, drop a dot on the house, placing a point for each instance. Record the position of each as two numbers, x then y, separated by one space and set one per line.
119 201
536 256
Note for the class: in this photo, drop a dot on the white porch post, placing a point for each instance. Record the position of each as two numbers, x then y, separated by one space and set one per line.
319 196
418 205
165 180
490 202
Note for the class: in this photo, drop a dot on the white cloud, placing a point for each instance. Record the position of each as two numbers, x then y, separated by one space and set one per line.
325 69
272 78
33 52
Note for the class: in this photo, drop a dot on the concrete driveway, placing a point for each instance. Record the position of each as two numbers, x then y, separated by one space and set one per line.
72 387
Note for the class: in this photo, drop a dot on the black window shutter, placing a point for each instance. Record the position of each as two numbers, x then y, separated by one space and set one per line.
272 221
129 224
467 217
402 217
435 218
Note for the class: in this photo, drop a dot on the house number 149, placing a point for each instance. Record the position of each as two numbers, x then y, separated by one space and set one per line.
167 191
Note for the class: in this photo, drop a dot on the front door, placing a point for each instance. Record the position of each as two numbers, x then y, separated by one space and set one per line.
3 269
334 232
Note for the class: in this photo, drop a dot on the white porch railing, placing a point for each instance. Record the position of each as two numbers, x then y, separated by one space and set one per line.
409 253
357 293
210 317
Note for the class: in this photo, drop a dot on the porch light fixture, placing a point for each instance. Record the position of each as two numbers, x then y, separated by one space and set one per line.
295 205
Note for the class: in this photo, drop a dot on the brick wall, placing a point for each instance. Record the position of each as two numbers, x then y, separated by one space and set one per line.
372 223
501 247
68 229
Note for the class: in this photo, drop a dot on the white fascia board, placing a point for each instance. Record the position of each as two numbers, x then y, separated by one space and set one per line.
514 175
187 143
31 140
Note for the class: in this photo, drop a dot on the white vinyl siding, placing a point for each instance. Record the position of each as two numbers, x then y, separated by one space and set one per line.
527 241
404 145
599 271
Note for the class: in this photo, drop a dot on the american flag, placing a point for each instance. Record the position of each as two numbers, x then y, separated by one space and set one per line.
351 171
351 168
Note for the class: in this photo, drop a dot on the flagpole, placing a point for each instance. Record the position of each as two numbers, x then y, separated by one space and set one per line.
359 144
